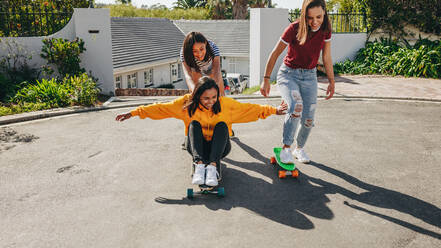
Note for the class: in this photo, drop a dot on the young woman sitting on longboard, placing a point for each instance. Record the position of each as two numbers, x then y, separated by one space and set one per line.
208 118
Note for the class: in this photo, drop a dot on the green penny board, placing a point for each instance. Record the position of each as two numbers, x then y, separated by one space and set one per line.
288 167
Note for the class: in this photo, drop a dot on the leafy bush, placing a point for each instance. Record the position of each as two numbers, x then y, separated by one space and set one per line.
83 90
76 90
392 15
46 91
389 57
15 71
64 54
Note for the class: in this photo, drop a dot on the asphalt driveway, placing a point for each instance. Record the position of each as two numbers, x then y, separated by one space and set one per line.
85 180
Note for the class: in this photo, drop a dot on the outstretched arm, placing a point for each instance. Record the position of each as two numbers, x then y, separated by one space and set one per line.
157 111
123 117
248 112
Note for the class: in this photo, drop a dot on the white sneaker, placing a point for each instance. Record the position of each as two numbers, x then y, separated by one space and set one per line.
301 155
199 174
286 156
212 175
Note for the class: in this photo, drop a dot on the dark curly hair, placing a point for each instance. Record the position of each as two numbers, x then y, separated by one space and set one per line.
204 83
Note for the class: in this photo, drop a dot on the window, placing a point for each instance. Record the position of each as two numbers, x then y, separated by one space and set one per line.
132 81
148 78
118 82
179 71
174 72
232 64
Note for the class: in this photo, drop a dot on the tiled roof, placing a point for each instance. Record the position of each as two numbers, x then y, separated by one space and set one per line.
142 40
231 36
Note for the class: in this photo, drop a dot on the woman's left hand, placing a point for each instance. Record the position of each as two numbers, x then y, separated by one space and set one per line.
281 109
330 90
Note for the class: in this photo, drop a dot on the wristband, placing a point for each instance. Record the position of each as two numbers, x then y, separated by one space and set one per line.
266 77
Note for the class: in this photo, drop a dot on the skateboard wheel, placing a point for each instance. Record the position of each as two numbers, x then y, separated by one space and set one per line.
282 174
295 173
221 192
190 193
273 160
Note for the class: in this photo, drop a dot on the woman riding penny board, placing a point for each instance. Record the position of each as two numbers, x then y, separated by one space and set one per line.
297 77
208 118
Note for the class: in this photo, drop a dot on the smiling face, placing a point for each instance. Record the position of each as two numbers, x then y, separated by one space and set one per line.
314 17
208 98
199 50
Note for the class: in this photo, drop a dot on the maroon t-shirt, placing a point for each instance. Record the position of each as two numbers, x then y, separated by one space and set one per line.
303 56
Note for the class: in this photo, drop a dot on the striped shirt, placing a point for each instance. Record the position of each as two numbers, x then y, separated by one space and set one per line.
205 66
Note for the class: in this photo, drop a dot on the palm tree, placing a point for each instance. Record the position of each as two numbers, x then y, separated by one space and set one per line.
187 4
240 9
260 4
221 9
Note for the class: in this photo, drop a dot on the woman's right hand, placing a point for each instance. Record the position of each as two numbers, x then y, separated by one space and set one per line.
265 87
123 117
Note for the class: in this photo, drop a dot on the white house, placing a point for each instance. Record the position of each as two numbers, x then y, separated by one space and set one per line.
145 53
231 36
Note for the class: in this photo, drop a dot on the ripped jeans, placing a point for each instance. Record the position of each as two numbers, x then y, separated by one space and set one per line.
298 88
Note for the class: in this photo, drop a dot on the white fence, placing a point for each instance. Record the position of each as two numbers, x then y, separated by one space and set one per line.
266 27
91 25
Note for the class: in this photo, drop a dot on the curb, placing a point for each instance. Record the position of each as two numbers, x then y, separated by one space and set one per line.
10 119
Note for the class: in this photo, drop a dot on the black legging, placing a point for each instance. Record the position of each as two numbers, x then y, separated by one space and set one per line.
208 151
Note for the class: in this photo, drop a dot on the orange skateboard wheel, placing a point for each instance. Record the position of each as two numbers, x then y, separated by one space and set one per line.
273 160
295 173
282 174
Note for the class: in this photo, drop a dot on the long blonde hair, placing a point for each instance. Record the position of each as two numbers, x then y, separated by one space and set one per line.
304 29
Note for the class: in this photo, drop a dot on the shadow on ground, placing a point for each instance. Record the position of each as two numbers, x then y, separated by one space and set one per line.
289 202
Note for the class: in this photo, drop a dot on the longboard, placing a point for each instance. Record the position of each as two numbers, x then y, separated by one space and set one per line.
207 190
286 169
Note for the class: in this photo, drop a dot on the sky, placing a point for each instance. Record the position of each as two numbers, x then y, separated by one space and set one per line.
288 4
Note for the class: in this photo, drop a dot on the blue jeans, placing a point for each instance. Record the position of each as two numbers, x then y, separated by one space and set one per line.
298 88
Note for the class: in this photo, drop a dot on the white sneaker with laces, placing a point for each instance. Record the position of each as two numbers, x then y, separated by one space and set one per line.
199 174
301 155
286 156
212 175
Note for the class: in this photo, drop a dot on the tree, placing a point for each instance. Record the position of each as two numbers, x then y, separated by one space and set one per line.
240 9
123 1
187 4
220 9
346 6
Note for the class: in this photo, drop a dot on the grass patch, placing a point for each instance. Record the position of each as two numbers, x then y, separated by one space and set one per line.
252 90
22 108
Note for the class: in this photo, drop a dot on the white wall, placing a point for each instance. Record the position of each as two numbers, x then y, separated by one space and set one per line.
98 54
266 27
346 46
33 45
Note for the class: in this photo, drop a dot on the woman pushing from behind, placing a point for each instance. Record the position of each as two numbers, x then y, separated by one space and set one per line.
208 118
200 57
297 77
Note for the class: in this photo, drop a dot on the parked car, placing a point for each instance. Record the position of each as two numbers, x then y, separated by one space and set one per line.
237 82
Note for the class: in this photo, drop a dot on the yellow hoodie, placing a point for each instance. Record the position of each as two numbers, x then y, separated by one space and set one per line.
231 112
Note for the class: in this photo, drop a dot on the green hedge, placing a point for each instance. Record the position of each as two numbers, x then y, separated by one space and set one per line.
390 57
392 15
